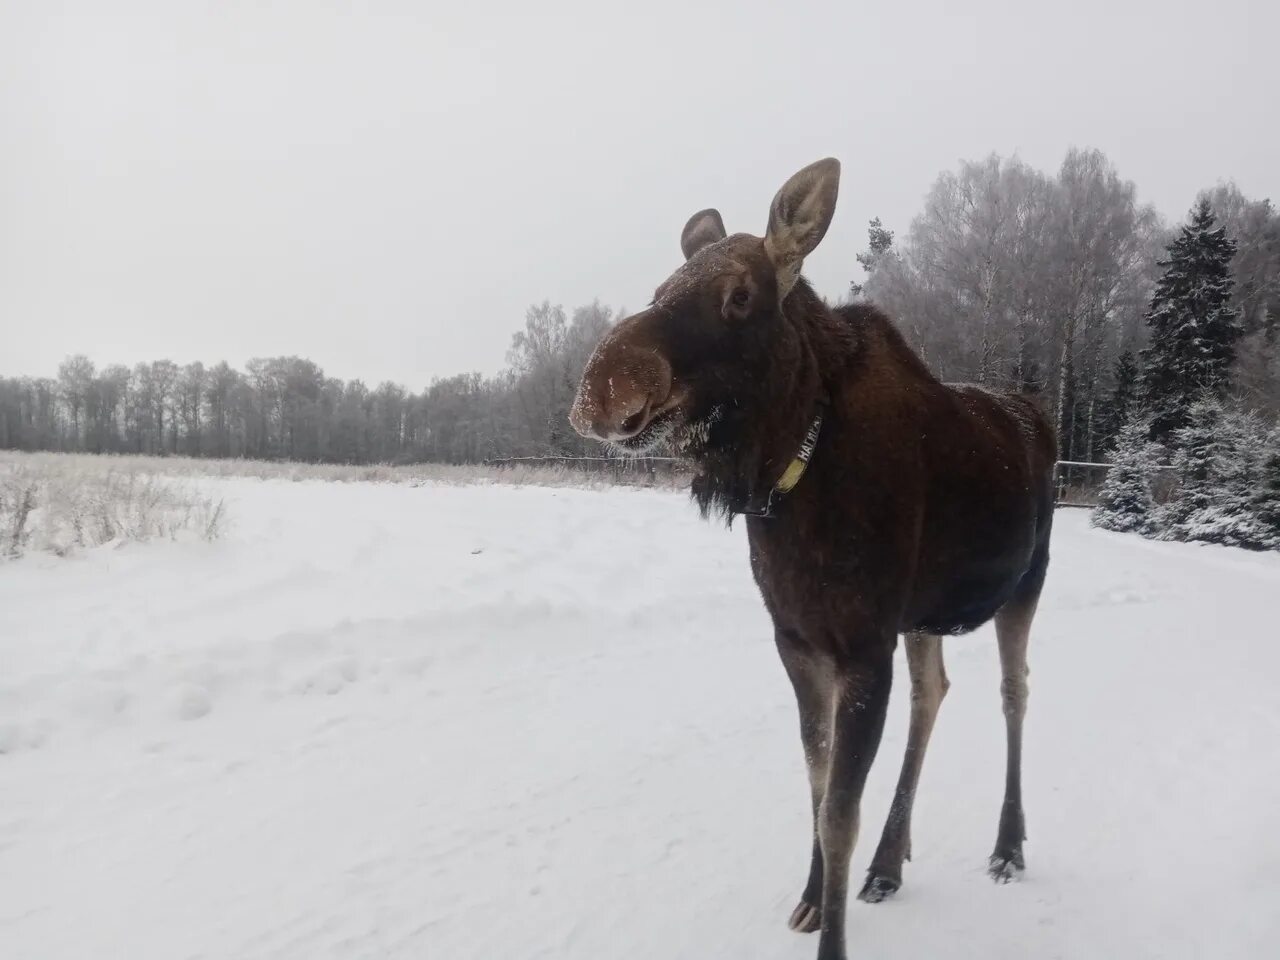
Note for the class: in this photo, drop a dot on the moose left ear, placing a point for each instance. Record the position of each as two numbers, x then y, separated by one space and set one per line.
799 217
704 227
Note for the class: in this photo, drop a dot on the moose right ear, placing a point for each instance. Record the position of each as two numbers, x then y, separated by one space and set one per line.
799 217
704 227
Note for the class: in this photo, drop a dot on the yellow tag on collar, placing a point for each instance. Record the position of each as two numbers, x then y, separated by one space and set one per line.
795 470
791 477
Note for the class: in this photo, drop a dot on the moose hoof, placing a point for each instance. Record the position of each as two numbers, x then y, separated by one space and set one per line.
805 918
878 887
1005 868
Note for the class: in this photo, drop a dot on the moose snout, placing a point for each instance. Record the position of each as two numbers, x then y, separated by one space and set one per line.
622 389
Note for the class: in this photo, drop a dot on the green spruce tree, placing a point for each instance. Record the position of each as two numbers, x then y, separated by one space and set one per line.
1194 328
1220 462
1126 504
1120 406
1196 445
1266 500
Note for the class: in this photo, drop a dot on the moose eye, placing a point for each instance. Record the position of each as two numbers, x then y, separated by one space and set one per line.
740 297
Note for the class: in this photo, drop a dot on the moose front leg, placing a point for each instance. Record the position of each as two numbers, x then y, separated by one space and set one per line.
861 700
813 681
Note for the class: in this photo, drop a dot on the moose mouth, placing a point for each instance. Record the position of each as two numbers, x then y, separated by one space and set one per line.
653 433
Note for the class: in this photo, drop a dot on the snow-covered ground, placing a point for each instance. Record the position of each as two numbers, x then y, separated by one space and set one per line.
378 721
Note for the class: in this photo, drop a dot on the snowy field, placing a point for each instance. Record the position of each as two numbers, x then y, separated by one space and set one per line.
384 721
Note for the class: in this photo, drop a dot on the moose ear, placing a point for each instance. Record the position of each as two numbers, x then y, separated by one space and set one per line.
704 227
799 217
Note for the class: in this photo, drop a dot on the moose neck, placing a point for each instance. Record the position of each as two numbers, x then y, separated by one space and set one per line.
755 439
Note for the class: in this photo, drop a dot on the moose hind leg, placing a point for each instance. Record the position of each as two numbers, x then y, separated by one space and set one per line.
1013 627
929 685
812 680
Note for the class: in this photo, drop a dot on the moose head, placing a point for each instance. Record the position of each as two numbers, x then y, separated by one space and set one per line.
715 330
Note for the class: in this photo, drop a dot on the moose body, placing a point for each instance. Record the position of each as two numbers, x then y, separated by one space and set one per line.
924 509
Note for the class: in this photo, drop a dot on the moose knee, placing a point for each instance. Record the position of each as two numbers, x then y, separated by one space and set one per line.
1013 696
926 697
818 763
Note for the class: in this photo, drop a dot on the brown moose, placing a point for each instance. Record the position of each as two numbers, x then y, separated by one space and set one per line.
879 502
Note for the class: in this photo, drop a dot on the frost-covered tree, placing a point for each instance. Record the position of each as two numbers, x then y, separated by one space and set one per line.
1027 281
547 358
164 378
1126 503
190 400
1266 499
110 395
879 245
1119 406
1195 444
1219 458
1194 326
75 379
1254 225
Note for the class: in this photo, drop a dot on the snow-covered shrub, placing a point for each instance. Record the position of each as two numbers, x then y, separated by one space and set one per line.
1224 486
1266 498
17 500
1126 503
59 505
1219 458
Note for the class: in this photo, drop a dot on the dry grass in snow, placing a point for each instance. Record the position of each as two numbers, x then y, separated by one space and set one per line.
534 473
58 504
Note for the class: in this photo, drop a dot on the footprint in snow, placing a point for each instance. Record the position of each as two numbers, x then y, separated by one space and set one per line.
330 677
189 701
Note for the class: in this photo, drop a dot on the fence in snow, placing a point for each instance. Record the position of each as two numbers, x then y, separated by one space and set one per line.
1077 482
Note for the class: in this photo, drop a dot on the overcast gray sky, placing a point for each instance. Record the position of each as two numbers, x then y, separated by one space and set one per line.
385 187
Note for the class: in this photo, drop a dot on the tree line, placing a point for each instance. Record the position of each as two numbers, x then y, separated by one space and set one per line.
287 408
1009 277
1023 280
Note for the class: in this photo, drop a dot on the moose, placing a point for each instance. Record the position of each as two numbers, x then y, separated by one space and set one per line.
878 500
